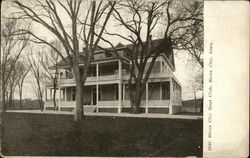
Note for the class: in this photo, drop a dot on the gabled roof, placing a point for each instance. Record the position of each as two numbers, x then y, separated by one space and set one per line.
119 45
100 53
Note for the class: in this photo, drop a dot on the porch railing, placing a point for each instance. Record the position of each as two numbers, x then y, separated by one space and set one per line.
108 103
151 103
90 79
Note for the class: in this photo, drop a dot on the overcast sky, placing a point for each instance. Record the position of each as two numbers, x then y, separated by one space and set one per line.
182 63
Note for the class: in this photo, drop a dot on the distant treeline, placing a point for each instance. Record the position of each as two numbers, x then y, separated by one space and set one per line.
27 104
189 106
190 103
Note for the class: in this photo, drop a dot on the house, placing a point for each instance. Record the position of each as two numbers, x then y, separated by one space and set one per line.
106 87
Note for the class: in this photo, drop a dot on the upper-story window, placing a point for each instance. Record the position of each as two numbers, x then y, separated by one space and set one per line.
94 71
108 54
68 74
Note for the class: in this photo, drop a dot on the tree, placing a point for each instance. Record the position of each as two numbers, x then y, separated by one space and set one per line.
48 60
196 83
12 83
11 47
47 15
141 20
34 62
23 70
193 43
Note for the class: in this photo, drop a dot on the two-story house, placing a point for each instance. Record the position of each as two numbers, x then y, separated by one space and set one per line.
106 87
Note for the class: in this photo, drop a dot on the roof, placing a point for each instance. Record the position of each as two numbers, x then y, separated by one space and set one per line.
101 55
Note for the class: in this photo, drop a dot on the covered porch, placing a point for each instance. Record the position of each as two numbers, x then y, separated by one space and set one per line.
158 96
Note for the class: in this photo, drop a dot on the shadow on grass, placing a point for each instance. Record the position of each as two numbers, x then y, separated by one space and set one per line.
58 135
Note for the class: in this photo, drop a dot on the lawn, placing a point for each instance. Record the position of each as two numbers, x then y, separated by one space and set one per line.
58 135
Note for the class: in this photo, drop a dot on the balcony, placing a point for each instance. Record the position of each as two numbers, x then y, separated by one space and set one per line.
90 80
69 80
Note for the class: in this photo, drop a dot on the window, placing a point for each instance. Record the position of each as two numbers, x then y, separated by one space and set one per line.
116 92
73 95
99 94
108 54
94 71
166 91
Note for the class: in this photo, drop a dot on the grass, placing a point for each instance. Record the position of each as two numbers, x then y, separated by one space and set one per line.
58 135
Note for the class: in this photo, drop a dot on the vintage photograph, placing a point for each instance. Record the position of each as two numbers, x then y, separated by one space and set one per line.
102 78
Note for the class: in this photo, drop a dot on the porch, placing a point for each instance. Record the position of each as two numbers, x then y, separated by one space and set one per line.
157 97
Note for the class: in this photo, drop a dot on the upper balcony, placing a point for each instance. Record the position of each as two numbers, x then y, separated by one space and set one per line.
111 72
101 73
94 79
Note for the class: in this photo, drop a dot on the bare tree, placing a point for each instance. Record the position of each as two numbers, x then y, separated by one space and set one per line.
196 84
12 83
141 20
23 70
11 47
192 42
47 15
34 61
51 60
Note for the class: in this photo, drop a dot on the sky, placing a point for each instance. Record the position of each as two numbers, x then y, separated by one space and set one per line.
183 64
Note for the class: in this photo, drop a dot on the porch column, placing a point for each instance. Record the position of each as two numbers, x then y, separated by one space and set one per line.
161 91
146 106
119 96
65 94
59 99
97 97
120 69
120 87
171 96
97 87
59 89
97 71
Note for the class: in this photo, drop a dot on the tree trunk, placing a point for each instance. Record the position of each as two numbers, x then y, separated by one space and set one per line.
136 109
3 97
130 91
41 102
136 99
79 95
201 108
40 98
195 104
54 96
10 97
20 98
